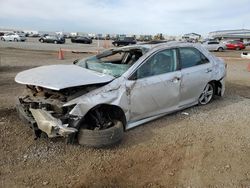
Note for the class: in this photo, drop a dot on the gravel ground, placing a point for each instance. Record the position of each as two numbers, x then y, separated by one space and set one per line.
207 146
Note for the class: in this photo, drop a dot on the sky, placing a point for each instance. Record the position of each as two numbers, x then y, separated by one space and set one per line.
172 17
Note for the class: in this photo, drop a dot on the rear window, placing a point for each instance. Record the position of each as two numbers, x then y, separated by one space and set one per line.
191 57
214 42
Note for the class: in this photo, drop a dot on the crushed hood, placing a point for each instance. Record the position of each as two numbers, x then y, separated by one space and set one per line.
59 77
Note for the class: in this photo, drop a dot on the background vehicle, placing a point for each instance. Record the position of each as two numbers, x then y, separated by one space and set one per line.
12 37
214 46
124 41
52 39
20 33
235 45
99 97
246 43
81 39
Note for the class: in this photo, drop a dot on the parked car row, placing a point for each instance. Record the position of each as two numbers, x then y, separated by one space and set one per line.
221 46
211 45
61 40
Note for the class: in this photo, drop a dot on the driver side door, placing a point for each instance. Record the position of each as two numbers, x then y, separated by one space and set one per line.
155 86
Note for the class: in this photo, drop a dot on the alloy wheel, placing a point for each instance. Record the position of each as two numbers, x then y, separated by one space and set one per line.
207 94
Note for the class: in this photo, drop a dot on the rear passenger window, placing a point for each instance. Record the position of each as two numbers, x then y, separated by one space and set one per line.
190 57
213 43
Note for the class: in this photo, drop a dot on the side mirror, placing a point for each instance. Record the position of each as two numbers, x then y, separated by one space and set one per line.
76 61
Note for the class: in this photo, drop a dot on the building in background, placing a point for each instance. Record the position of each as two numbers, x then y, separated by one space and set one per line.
238 34
191 37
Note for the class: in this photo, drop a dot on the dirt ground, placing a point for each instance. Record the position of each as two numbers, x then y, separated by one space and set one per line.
209 147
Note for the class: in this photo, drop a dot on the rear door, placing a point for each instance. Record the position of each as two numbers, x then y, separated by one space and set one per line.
210 46
196 72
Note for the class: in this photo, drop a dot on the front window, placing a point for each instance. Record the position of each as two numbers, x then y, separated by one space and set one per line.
160 63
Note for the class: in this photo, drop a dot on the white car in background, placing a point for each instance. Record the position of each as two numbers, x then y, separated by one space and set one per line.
214 46
12 37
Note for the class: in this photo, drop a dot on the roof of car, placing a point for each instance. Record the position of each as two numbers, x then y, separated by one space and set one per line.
173 44
158 46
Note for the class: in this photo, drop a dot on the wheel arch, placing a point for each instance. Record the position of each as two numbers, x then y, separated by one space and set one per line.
220 47
115 112
217 86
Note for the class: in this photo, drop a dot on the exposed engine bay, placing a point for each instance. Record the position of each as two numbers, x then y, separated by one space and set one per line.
43 105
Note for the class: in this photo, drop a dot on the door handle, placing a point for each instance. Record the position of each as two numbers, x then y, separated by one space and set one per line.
209 70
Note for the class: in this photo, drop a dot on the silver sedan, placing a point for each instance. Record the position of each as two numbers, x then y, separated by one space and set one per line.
96 99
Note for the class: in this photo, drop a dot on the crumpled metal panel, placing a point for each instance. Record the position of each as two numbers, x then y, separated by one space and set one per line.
58 77
114 93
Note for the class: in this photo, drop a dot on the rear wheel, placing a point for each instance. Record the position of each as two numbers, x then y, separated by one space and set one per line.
220 49
207 94
15 39
42 41
2 39
55 42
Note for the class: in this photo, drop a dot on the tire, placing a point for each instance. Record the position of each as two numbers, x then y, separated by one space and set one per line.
101 138
15 39
207 95
2 39
42 41
55 42
220 49
237 48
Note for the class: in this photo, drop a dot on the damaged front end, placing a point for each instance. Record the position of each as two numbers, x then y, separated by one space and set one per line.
43 109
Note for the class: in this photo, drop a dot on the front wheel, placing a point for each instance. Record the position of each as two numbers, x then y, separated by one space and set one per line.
2 39
101 138
55 42
15 39
207 94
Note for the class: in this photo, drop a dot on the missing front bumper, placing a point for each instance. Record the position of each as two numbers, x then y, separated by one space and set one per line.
42 120
51 126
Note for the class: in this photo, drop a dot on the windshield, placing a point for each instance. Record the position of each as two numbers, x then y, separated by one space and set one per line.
108 68
113 62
